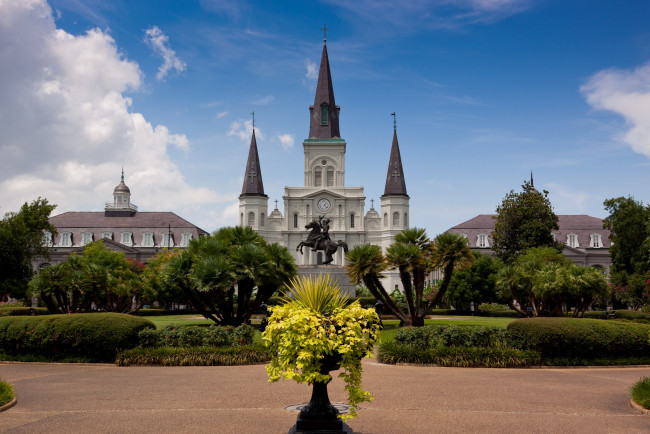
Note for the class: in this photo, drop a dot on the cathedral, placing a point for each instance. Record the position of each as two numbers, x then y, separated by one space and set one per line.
324 192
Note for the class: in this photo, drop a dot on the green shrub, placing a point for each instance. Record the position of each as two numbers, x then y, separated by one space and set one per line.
581 338
193 336
164 312
494 307
22 311
96 336
195 356
395 352
621 314
641 392
6 393
436 336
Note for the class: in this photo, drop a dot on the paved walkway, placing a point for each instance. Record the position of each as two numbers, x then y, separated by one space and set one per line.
58 398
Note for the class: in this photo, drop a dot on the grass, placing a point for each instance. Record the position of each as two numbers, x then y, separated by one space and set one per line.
641 392
194 356
391 326
6 393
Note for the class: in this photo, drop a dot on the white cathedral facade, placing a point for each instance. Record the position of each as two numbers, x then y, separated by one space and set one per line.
324 192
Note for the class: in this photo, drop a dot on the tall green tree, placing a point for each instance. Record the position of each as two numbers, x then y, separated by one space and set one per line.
21 239
229 274
629 223
524 220
476 284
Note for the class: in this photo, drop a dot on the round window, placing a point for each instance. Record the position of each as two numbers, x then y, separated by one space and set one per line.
324 162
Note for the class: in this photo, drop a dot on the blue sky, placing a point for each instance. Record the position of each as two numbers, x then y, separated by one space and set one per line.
484 90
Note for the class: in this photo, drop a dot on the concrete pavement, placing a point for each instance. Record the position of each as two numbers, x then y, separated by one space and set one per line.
57 398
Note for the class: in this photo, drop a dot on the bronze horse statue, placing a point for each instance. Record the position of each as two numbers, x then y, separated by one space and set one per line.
316 241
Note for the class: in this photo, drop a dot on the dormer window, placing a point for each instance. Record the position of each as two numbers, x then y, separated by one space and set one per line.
86 238
572 240
107 235
324 114
147 239
482 241
66 239
185 239
595 241
126 239
47 239
167 240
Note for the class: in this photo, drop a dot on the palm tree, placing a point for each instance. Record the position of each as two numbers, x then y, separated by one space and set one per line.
365 263
448 253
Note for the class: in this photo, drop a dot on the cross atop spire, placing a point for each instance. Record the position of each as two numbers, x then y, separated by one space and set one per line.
394 121
122 173
325 29
532 184
395 183
324 114
253 185
253 114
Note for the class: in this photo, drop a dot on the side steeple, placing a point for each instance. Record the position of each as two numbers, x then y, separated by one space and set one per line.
395 183
324 114
253 185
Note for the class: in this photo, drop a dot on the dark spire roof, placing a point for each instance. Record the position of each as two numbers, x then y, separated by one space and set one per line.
395 183
253 185
324 122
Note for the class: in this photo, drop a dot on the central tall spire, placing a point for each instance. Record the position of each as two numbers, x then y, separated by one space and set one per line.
324 114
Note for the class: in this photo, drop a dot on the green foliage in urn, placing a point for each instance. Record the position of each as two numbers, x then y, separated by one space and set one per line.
313 323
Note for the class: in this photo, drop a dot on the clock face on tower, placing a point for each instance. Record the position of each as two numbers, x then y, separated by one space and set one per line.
324 205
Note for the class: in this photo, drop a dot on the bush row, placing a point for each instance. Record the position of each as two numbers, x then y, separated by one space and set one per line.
631 315
22 311
396 352
192 336
96 336
582 338
164 312
194 356
437 336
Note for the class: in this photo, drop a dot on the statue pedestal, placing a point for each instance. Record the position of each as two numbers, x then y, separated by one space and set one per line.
337 272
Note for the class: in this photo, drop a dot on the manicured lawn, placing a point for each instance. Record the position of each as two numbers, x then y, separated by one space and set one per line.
178 320
390 326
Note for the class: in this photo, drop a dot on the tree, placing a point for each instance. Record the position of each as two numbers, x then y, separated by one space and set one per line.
545 281
476 284
152 280
364 264
21 239
228 275
629 223
524 220
413 255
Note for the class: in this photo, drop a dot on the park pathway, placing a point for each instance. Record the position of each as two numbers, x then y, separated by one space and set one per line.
73 398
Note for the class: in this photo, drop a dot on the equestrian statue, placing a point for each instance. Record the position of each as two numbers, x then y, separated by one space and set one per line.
319 239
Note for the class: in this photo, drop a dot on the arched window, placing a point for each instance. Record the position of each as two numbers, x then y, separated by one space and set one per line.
295 219
65 240
318 177
352 220
251 219
147 240
595 241
330 177
262 219
47 239
572 240
482 241
385 219
324 113
241 220
395 219
406 220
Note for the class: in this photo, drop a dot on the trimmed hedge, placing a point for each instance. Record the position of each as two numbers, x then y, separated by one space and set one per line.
395 352
164 312
630 315
436 336
194 336
6 393
94 336
580 338
195 356
22 311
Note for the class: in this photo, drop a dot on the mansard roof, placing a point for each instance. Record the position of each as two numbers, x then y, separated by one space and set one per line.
395 183
328 129
253 185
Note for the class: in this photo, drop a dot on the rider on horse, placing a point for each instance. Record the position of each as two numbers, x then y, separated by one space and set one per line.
324 233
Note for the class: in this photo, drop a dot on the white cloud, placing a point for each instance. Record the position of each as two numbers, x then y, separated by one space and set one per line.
244 130
627 93
286 140
312 70
265 100
221 114
65 125
159 42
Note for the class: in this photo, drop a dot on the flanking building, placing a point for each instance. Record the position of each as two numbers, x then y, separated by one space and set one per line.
140 235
